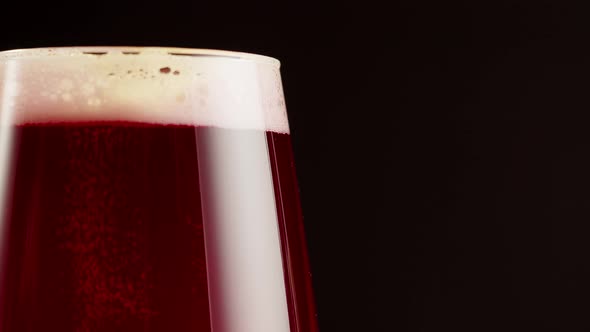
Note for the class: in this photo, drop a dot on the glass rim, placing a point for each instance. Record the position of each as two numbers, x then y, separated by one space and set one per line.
41 52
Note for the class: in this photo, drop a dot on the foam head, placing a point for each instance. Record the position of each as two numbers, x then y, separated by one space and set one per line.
151 85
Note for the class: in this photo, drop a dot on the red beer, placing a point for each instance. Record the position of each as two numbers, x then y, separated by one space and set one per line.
148 190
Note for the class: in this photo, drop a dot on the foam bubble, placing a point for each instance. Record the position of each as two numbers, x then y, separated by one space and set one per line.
152 85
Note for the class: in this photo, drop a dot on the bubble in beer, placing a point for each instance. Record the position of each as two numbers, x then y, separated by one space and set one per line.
87 89
66 84
66 97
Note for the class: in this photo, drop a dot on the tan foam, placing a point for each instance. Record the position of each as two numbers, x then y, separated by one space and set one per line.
153 85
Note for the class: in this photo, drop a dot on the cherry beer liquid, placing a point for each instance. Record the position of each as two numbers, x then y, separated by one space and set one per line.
136 219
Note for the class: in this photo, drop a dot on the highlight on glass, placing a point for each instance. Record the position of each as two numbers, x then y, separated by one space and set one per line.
148 189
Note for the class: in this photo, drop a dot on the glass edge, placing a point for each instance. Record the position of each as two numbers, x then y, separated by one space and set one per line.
135 50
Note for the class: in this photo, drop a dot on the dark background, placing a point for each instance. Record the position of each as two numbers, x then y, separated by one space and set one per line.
442 147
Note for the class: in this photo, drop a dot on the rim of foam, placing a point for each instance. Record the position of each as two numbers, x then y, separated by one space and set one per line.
192 86
135 50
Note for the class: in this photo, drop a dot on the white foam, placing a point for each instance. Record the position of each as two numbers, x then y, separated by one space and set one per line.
152 85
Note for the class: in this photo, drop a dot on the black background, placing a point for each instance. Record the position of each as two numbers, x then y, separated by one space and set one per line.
442 147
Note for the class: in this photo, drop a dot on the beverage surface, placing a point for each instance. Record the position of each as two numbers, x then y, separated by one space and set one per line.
147 85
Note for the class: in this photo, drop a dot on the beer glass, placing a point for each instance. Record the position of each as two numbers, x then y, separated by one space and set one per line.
148 189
